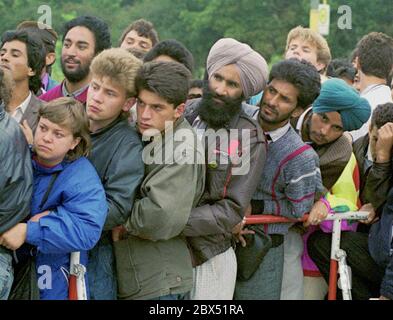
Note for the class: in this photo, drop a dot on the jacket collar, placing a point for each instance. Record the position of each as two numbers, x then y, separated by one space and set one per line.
160 137
32 108
40 168
107 128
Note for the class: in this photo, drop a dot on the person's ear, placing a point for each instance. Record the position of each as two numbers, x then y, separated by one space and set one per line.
320 66
50 59
75 143
356 63
297 112
180 110
128 104
31 73
370 129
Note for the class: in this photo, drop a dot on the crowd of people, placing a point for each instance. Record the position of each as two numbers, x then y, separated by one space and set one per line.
149 174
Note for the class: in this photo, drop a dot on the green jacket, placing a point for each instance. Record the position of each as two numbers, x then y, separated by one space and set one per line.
154 260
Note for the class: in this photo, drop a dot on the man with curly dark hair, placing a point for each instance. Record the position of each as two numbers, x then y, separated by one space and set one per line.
374 61
23 56
84 38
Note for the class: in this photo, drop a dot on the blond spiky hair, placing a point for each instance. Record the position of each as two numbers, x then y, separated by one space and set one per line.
119 65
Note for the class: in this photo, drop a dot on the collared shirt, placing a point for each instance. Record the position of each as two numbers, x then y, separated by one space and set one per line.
273 136
45 82
368 160
73 94
369 155
375 94
300 121
21 109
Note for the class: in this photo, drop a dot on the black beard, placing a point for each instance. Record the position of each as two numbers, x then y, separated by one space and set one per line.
81 73
218 115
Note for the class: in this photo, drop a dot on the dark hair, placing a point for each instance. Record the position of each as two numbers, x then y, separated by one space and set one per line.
174 49
375 53
97 26
303 75
36 54
196 83
44 32
144 28
137 52
341 68
382 114
169 80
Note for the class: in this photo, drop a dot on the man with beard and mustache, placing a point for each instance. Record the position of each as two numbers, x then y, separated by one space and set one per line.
84 38
291 177
235 72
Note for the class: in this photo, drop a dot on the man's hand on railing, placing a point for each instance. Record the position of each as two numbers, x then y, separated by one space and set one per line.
371 216
318 213
238 231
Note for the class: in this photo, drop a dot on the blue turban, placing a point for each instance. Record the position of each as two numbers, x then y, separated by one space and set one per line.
337 95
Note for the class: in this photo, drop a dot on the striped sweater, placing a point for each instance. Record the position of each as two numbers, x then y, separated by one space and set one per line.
289 181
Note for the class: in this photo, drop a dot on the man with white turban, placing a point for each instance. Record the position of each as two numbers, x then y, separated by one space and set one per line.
235 161
248 65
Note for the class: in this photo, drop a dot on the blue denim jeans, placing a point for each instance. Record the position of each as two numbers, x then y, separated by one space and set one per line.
101 272
6 274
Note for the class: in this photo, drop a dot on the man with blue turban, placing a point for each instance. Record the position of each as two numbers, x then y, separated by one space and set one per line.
338 108
325 125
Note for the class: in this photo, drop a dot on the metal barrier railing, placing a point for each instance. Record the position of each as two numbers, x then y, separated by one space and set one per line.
337 255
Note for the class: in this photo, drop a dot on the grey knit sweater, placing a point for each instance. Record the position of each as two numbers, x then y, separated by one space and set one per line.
289 181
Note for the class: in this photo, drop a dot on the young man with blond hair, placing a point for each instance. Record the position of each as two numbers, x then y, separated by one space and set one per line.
116 154
306 44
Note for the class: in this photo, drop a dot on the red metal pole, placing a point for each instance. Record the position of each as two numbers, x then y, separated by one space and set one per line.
267 218
333 280
72 290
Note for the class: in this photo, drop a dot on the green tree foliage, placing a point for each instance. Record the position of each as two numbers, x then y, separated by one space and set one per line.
264 24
